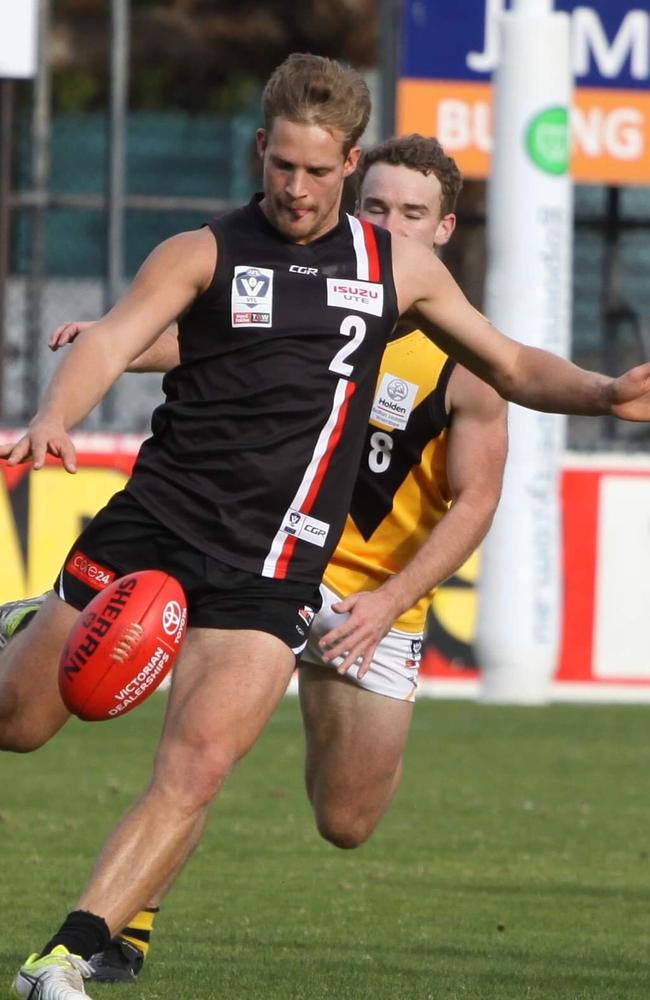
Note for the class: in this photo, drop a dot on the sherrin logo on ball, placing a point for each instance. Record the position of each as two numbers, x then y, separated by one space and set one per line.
123 645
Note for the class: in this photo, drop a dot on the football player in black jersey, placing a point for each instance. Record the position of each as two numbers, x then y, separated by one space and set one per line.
238 657
448 455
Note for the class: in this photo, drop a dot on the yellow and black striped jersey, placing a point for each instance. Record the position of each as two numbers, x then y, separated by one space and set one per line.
401 490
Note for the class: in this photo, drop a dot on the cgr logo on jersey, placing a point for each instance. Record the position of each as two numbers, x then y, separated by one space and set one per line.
297 269
309 529
362 296
252 296
394 401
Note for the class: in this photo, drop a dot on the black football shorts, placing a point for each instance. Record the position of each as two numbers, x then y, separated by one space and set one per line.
124 537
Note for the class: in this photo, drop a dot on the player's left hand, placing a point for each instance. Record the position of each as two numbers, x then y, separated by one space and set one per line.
370 616
631 394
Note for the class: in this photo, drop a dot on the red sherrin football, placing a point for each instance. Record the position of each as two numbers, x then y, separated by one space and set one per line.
123 645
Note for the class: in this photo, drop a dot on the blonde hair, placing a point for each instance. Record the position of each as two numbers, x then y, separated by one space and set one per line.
313 90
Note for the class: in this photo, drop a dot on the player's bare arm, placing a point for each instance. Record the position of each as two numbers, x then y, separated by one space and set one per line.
170 279
161 356
476 455
525 375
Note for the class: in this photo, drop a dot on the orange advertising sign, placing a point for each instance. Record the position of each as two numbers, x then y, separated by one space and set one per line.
611 128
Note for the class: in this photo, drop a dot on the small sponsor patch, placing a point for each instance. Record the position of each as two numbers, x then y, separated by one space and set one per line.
297 269
307 614
416 653
252 296
356 296
173 618
394 401
309 529
89 571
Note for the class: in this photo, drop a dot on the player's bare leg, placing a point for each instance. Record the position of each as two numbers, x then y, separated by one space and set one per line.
31 710
225 687
355 741
122 960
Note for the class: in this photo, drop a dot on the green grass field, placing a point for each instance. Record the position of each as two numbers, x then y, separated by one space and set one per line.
514 863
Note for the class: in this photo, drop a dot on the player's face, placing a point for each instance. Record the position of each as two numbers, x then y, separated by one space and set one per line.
405 202
304 169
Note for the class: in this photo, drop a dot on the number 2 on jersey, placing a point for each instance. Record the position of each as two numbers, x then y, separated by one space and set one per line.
355 327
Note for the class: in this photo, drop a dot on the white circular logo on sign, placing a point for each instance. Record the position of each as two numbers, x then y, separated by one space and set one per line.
171 617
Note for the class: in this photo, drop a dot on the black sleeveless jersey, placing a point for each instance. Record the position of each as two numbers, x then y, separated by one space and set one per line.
253 455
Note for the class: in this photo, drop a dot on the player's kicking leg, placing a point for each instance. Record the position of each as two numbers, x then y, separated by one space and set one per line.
123 959
356 732
31 709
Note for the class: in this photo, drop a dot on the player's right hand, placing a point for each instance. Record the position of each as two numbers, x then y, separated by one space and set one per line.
44 437
67 332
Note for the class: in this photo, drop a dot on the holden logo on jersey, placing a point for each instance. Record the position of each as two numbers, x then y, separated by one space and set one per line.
397 390
309 529
362 296
252 296
394 401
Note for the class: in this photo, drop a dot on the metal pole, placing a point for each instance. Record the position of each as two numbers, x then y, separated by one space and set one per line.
6 129
40 180
117 148
120 15
389 34
611 295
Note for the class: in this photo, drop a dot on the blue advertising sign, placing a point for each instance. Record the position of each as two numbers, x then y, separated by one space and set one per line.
458 41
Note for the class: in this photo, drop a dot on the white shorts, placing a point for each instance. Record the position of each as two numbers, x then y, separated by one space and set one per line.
395 665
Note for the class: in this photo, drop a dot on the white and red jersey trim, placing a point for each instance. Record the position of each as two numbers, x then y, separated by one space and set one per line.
283 545
365 248
282 548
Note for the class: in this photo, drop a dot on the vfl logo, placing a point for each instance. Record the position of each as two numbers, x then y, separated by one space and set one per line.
294 520
252 284
251 298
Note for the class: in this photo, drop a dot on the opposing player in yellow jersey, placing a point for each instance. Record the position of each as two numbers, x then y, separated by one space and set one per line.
425 495
426 492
